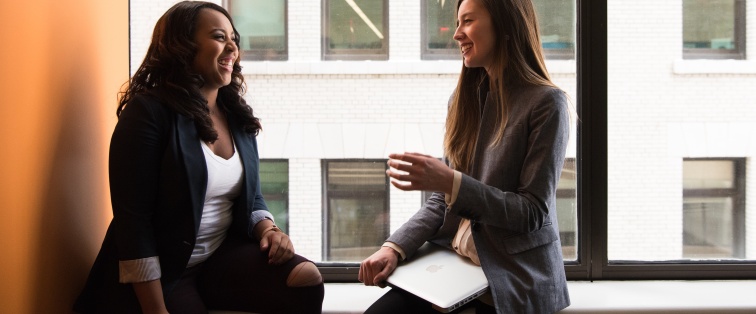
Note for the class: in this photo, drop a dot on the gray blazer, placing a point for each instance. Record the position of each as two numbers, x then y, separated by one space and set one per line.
510 197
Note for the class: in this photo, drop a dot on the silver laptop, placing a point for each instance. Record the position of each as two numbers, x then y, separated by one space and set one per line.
441 277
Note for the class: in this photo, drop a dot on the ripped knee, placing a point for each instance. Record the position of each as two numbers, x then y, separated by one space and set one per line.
303 275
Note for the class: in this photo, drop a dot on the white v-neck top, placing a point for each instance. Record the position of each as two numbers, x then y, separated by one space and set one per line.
224 181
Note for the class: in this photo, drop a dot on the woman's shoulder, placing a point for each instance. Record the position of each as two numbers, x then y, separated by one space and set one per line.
540 96
543 91
148 105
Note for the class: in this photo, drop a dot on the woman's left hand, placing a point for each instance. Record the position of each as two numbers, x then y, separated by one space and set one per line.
279 246
420 172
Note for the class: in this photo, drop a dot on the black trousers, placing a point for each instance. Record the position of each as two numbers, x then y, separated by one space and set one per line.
398 301
237 277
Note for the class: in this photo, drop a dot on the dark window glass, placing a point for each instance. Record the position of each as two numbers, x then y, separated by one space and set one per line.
566 203
355 30
713 208
713 29
262 27
356 209
556 19
438 26
274 180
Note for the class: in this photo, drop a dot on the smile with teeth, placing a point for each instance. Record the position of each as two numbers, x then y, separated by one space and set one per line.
226 63
465 48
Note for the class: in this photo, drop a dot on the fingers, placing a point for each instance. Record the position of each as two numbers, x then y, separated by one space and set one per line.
409 156
404 186
280 247
400 176
376 269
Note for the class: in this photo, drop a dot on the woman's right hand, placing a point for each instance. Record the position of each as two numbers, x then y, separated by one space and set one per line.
375 269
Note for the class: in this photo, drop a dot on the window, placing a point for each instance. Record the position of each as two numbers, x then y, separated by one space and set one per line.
355 30
677 149
714 29
262 27
274 179
622 198
425 196
556 19
356 208
713 208
438 26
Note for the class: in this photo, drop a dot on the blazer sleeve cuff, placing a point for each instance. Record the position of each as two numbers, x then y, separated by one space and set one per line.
396 248
260 215
139 270
450 199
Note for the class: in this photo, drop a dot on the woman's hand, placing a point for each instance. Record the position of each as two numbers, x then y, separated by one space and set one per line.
375 269
279 246
420 172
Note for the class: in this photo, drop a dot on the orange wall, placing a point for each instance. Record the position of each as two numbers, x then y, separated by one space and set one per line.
61 65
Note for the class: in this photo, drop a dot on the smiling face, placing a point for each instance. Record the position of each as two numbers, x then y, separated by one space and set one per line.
475 34
216 50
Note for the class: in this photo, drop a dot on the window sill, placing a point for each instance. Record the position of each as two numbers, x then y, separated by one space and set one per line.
597 297
375 67
714 67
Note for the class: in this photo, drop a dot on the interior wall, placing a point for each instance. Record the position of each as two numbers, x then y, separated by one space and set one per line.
62 64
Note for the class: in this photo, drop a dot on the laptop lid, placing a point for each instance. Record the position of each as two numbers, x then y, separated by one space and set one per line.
441 277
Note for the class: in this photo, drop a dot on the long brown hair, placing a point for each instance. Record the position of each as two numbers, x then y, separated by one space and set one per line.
167 74
518 61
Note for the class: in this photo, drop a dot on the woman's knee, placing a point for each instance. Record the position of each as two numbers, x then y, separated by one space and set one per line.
303 275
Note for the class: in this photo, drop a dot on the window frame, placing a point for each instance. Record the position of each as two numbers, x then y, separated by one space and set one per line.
593 263
592 194
328 54
264 54
739 53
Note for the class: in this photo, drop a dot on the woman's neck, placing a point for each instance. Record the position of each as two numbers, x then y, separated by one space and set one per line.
210 95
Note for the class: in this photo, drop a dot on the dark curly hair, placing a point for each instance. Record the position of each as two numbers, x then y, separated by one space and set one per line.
167 74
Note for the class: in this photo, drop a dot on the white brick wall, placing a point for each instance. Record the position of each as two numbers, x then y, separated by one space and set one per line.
404 30
659 113
305 209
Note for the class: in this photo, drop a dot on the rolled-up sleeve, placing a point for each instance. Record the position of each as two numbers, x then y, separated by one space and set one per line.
139 270
136 149
450 198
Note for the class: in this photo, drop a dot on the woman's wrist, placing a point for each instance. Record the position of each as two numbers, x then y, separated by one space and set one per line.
272 228
265 226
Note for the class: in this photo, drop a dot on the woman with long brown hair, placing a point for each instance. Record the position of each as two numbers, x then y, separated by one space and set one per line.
494 199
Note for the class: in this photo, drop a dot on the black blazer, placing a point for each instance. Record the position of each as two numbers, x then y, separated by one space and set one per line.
158 180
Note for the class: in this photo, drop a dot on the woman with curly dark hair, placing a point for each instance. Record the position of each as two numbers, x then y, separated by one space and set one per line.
190 229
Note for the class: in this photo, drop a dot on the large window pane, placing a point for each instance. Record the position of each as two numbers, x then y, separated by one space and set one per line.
713 29
680 145
355 29
357 212
262 27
